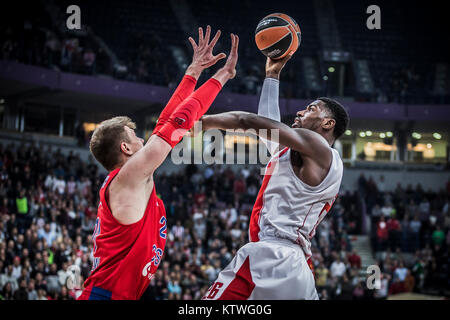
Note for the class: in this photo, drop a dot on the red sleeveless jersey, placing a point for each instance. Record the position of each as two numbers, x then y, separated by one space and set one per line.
125 256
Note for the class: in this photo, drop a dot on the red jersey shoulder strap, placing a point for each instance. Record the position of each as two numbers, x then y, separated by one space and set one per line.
105 185
108 179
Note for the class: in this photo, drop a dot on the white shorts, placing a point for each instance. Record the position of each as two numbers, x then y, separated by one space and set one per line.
265 270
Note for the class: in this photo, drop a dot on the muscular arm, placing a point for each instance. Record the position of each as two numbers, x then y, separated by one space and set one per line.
308 143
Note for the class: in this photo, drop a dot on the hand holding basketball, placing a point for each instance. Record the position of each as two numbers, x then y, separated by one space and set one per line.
203 51
274 67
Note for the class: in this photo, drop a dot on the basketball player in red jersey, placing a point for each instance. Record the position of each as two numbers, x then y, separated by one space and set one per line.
130 231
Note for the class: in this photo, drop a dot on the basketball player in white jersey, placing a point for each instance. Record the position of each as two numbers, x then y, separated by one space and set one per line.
300 185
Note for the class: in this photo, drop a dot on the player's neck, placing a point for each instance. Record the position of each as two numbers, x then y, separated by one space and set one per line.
329 137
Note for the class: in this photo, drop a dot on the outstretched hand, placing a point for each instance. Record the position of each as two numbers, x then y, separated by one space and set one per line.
203 56
228 71
230 65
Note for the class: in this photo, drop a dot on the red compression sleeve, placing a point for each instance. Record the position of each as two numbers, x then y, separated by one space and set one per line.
189 111
184 89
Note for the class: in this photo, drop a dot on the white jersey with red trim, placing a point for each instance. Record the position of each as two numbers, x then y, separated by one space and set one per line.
288 208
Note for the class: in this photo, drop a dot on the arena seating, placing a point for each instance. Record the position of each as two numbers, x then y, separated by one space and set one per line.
142 33
399 53
207 214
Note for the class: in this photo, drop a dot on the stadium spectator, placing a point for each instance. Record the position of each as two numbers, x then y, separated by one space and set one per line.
17 267
376 211
387 210
344 290
7 292
415 227
405 234
32 294
47 234
338 268
438 236
355 260
400 273
409 282
53 49
21 293
382 234
394 228
7 277
41 294
382 292
64 295
321 276
89 61
358 292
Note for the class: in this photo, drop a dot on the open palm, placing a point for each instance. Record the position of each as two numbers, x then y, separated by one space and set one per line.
203 51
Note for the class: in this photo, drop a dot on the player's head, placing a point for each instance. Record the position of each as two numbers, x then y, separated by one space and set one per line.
114 141
325 116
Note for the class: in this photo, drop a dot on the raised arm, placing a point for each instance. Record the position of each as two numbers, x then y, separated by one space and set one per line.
269 100
134 182
142 165
202 58
307 142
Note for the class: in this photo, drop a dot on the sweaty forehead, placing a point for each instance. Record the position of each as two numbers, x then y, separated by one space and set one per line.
322 106
318 103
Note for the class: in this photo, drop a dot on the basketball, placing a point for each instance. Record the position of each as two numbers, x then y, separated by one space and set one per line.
277 35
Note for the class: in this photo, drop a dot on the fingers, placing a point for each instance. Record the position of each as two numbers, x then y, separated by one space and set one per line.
289 56
214 40
204 40
192 41
214 60
234 44
219 57
207 35
200 36
279 63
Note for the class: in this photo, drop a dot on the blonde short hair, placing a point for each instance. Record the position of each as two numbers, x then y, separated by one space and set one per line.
106 139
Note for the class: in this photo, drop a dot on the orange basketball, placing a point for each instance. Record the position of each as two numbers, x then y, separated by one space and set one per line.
277 35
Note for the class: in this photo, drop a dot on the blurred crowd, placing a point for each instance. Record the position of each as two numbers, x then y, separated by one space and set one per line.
406 85
48 210
410 233
43 47
143 57
47 215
